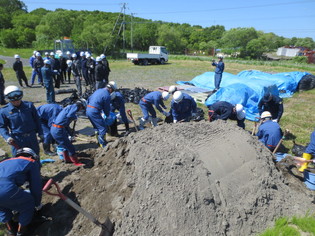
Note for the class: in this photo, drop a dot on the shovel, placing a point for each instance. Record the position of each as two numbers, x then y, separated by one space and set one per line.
107 227
131 117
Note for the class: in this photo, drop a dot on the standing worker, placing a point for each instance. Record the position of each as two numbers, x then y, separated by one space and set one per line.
48 80
69 67
219 68
183 107
90 64
269 132
18 68
99 102
106 65
100 74
224 110
309 152
84 70
63 68
273 104
76 71
38 64
118 103
146 103
47 114
56 67
19 121
60 131
2 82
14 172
32 59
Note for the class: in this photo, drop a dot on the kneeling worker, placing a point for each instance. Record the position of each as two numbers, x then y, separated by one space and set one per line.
183 107
309 152
118 103
14 172
224 110
269 132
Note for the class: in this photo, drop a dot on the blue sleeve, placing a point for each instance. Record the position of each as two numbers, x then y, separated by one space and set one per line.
174 112
122 110
4 124
194 105
311 147
72 112
35 182
106 106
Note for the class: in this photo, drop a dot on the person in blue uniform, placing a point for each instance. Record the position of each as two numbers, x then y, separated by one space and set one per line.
60 131
47 113
19 121
183 107
48 80
273 104
99 102
309 152
219 68
146 103
118 103
14 172
224 110
269 132
18 68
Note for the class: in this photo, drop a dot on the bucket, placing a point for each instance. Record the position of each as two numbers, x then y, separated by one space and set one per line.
60 151
309 179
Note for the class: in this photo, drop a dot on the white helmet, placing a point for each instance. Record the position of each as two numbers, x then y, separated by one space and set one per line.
178 96
27 152
46 53
68 53
165 95
13 93
98 59
87 54
240 113
60 54
112 85
82 54
16 56
102 56
47 62
265 114
34 52
74 55
37 54
52 54
69 62
112 95
172 89
220 56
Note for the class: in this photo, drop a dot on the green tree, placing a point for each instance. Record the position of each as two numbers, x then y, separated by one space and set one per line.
13 6
8 38
144 35
238 37
171 38
254 49
305 42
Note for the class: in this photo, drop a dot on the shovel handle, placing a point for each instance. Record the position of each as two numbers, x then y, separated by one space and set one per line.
129 113
48 186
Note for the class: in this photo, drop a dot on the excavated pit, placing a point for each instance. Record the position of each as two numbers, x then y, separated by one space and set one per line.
195 178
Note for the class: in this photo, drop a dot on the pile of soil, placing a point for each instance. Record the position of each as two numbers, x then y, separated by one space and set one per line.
195 178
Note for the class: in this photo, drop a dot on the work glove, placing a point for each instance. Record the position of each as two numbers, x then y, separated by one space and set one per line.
166 113
41 138
194 114
275 120
10 140
174 121
71 138
38 208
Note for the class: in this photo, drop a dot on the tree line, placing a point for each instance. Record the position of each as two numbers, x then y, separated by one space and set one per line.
95 30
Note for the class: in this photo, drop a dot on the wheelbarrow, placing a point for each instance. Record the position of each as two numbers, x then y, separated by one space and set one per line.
107 227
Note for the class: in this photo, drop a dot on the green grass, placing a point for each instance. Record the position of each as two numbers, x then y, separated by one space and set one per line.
10 52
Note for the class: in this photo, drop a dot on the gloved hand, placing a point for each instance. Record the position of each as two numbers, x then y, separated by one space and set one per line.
41 138
38 208
91 66
10 140
166 113
194 114
71 138
275 120
174 121
56 71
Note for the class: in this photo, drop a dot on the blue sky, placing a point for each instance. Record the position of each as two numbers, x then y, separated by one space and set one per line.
288 18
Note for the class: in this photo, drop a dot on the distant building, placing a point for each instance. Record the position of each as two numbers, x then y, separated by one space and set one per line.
289 52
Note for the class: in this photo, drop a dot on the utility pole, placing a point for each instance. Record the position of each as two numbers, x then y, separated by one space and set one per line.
131 29
124 26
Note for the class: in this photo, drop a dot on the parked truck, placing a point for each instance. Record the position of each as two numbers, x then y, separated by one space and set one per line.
156 55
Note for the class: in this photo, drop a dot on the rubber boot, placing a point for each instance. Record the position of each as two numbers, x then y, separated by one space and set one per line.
154 122
74 159
46 147
142 123
66 157
102 141
11 228
306 156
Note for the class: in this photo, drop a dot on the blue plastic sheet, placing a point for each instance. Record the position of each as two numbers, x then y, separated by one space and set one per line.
248 87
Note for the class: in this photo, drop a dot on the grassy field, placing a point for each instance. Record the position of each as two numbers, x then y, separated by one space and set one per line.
298 117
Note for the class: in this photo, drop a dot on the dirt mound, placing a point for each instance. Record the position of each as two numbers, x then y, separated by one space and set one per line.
177 179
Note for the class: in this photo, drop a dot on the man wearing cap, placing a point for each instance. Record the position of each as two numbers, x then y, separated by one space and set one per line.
18 68
269 133
223 110
273 104
99 102
47 74
19 121
219 68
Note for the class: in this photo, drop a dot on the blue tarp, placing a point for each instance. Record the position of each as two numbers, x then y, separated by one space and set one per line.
248 87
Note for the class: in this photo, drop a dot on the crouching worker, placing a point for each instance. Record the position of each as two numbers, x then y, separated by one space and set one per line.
118 103
224 110
269 132
183 107
309 152
60 131
146 103
99 102
14 172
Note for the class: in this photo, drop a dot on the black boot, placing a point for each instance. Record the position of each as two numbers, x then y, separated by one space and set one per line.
46 147
22 231
12 228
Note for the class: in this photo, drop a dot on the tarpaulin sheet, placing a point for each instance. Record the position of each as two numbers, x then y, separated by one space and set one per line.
248 87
